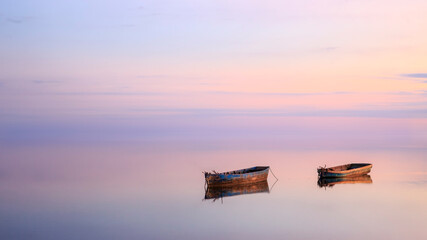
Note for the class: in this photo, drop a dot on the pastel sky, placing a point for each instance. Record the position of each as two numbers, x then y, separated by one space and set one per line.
75 59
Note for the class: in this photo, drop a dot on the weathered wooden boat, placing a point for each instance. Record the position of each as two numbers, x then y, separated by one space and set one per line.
243 176
352 169
217 192
330 182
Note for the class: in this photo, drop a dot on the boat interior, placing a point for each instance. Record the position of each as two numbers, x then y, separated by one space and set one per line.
348 166
247 170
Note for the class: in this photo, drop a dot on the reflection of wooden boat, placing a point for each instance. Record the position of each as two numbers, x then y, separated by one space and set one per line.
243 176
242 189
353 169
330 182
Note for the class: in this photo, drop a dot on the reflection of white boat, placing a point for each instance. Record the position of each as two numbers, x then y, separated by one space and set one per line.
330 182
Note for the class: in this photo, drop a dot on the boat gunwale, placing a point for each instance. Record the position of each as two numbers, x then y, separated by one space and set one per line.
264 168
367 166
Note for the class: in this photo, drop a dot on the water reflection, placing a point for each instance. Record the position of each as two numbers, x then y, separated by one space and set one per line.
216 193
124 191
330 182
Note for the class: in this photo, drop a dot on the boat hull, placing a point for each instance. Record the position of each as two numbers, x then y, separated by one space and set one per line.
244 176
350 170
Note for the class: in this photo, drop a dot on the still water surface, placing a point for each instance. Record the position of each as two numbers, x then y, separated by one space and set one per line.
156 191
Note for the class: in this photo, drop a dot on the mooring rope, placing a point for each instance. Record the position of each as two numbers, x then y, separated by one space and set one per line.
273 174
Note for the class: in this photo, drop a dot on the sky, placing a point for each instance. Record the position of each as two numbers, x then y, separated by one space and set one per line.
81 62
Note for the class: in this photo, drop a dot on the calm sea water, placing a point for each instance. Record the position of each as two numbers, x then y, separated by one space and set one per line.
155 190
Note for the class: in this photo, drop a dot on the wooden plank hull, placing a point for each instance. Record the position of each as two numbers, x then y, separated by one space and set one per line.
237 177
349 170
236 190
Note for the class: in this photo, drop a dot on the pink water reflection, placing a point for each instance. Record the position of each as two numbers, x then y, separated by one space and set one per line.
156 192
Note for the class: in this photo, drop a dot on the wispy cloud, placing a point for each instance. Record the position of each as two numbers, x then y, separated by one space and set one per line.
362 113
403 93
19 20
154 76
14 20
290 94
410 104
46 81
281 93
414 75
110 93
166 76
